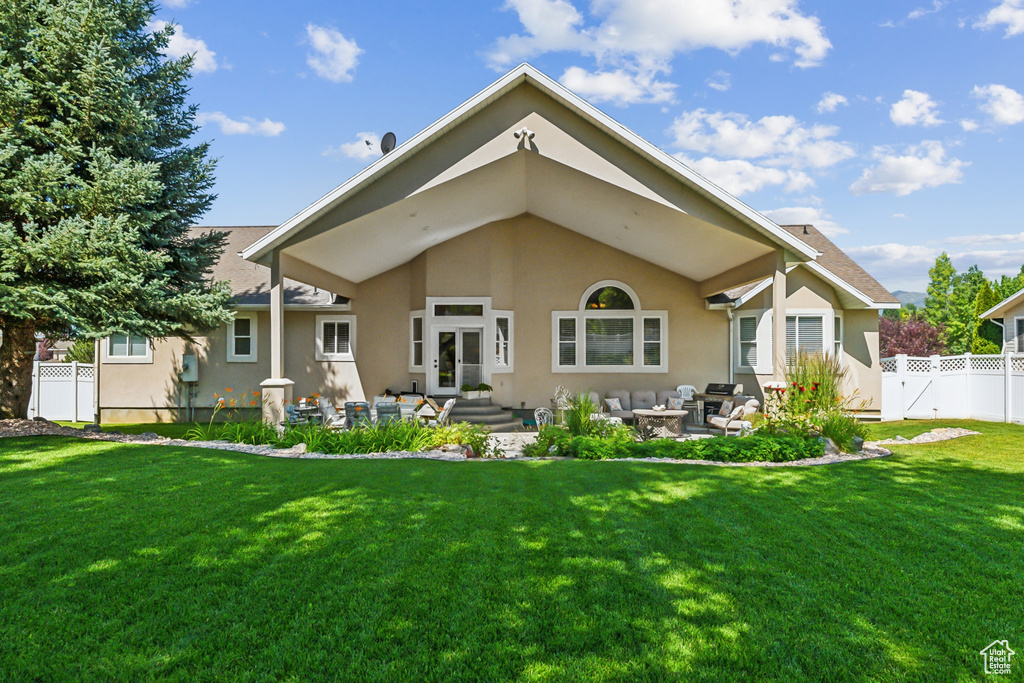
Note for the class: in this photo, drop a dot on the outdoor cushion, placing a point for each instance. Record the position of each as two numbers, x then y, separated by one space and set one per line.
674 403
623 397
642 399
614 404
595 398
725 409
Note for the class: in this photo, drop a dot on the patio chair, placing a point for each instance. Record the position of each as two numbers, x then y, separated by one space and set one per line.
357 414
293 416
442 417
544 417
737 419
388 412
332 419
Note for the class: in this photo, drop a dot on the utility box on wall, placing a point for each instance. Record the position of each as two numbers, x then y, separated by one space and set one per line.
189 368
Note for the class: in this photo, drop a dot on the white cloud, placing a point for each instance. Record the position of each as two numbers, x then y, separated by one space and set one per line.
1004 105
987 239
1009 12
632 43
781 140
334 56
204 60
922 166
358 149
905 266
619 87
740 177
721 81
803 215
915 108
176 4
247 126
829 102
901 215
922 11
968 124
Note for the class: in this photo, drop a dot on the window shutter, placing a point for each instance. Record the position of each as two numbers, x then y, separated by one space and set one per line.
342 338
609 341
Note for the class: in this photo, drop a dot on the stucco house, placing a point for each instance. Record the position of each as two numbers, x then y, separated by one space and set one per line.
1009 314
525 240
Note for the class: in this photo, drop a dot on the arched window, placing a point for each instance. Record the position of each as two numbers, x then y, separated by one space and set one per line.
610 332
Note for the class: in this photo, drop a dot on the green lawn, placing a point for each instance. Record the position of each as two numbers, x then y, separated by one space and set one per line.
133 562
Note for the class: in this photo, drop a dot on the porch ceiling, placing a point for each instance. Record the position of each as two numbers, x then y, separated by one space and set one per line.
647 227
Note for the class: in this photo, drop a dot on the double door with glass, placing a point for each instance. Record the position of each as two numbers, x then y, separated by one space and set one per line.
458 359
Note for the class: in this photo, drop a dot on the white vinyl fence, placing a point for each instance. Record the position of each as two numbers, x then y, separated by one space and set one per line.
62 391
975 387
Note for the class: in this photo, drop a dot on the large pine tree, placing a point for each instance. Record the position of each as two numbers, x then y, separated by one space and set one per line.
99 184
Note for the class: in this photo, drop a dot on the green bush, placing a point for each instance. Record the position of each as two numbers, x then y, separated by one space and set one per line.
841 428
621 443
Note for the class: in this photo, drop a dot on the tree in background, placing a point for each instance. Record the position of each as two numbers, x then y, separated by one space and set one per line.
988 337
1008 286
940 288
962 320
98 184
913 336
83 351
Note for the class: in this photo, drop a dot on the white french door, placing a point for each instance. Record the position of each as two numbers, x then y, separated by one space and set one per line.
457 359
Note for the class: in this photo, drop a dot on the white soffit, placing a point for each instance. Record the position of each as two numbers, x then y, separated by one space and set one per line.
588 112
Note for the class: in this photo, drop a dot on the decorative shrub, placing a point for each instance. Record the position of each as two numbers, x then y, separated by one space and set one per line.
812 402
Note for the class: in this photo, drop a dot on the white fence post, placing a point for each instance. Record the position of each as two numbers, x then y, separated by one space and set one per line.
967 386
74 388
901 374
1008 386
936 380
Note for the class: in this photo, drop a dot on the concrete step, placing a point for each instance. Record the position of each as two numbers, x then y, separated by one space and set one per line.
476 410
467 402
498 418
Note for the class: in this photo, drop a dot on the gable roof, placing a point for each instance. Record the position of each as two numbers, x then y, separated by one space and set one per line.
526 73
832 265
1003 306
250 282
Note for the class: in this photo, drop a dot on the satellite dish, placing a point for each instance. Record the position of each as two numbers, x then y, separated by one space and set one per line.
388 143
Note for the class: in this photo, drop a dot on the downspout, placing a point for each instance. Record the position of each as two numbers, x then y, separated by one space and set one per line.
732 324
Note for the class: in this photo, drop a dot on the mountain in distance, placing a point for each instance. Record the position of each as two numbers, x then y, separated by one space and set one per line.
916 298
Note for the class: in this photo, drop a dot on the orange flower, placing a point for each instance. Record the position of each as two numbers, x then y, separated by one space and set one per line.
256 393
252 403
227 389
216 395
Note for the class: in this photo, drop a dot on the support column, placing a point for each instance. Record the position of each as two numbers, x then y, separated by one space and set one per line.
277 390
779 318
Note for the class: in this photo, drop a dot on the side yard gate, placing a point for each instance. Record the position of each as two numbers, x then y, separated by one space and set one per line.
62 391
985 387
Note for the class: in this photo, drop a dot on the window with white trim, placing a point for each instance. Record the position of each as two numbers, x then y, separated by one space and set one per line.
503 341
242 338
837 336
126 348
335 337
416 341
609 333
804 334
748 341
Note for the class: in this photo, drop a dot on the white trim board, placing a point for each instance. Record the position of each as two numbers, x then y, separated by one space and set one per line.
523 73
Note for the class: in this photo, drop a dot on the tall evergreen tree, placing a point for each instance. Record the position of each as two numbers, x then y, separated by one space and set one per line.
988 337
940 287
963 319
98 184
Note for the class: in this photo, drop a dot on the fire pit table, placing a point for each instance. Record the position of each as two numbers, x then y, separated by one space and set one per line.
659 424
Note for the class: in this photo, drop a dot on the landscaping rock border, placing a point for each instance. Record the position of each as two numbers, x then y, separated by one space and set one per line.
510 445
934 436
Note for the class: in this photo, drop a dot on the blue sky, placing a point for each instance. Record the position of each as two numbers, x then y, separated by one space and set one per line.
896 127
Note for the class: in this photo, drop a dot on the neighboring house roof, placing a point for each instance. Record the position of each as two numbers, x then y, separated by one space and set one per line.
526 73
1000 309
832 265
250 282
